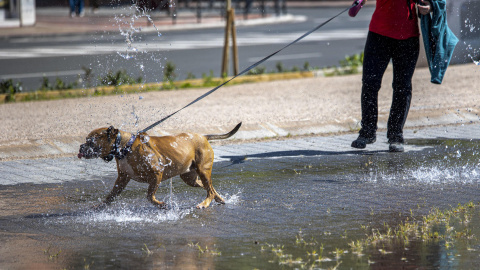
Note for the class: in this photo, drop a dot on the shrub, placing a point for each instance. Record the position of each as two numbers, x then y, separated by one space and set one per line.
119 78
169 72
10 88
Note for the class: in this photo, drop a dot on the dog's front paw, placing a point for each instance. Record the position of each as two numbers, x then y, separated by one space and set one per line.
201 206
161 205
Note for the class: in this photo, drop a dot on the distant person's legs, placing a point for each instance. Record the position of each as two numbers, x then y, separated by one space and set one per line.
81 5
76 8
72 7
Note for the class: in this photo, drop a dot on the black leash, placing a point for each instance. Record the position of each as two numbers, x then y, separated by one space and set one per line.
247 69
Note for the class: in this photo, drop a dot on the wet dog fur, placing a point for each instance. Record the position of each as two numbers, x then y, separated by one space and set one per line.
155 159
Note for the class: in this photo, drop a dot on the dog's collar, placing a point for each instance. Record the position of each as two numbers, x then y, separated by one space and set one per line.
119 152
122 152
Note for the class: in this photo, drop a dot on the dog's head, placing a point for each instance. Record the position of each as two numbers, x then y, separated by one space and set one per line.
99 143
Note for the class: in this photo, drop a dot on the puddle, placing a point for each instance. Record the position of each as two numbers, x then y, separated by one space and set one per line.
281 212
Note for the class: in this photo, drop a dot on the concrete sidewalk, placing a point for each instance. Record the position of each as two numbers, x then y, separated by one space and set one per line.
59 170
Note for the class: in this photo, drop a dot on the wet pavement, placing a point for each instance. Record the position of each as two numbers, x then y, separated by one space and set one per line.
286 200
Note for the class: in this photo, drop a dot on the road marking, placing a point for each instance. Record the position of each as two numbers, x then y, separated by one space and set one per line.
188 43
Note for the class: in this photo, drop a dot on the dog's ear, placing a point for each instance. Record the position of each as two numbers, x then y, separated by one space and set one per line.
111 131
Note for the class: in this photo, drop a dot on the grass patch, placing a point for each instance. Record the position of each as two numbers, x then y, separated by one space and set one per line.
445 228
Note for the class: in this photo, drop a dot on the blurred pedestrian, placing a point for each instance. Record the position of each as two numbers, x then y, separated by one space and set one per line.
246 10
393 35
76 8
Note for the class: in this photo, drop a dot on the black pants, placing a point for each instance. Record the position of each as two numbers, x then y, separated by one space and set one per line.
379 50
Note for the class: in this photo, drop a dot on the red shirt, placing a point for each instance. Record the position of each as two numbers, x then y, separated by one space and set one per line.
391 19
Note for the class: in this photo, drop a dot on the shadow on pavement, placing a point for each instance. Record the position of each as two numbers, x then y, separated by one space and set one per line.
298 153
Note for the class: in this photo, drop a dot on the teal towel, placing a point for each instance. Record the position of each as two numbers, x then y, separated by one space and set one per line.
438 39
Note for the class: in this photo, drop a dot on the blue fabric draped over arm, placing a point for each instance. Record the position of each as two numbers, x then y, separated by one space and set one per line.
438 39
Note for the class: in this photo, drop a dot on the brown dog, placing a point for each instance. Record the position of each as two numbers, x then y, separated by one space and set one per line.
153 159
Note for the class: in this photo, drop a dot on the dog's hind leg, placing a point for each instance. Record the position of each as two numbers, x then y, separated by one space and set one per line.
191 179
205 176
218 198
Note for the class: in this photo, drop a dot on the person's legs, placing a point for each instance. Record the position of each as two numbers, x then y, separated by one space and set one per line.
376 59
377 55
404 62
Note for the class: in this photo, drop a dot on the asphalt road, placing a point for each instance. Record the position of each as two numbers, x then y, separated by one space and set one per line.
195 52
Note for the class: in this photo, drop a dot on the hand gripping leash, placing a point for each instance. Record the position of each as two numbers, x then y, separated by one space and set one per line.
355 4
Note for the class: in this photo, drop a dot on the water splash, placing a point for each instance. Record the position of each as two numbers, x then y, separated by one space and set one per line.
434 175
127 215
172 200
474 61
127 26
135 116
233 199
473 53
469 25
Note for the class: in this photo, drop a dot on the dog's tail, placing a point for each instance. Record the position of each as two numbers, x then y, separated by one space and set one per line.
224 136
